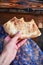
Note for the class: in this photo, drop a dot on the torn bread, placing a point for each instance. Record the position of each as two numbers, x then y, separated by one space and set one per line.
28 29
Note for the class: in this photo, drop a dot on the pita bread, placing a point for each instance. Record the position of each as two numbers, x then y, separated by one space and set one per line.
28 29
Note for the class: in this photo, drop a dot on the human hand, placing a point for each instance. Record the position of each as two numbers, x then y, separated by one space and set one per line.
11 47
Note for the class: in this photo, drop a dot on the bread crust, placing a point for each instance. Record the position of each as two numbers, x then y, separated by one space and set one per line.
28 29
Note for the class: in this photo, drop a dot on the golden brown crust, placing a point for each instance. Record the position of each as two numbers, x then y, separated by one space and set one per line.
28 29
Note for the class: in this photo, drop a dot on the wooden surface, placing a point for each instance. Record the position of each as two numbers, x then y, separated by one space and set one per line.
4 17
21 4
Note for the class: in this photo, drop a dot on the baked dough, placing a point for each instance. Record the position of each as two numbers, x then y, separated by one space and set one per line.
28 29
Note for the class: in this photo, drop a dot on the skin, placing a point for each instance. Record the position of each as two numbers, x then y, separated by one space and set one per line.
11 47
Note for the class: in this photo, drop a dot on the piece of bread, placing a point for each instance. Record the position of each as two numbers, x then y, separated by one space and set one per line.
28 29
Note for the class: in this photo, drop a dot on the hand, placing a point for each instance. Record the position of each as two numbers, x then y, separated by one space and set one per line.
11 47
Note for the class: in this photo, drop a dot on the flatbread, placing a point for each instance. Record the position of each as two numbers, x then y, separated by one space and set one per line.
28 29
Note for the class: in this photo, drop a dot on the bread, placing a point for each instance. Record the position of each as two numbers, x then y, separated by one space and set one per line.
28 29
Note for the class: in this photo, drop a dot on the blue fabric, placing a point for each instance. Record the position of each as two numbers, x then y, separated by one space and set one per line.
28 54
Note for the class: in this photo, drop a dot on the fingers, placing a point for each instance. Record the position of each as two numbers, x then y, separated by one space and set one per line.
21 43
16 37
7 39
